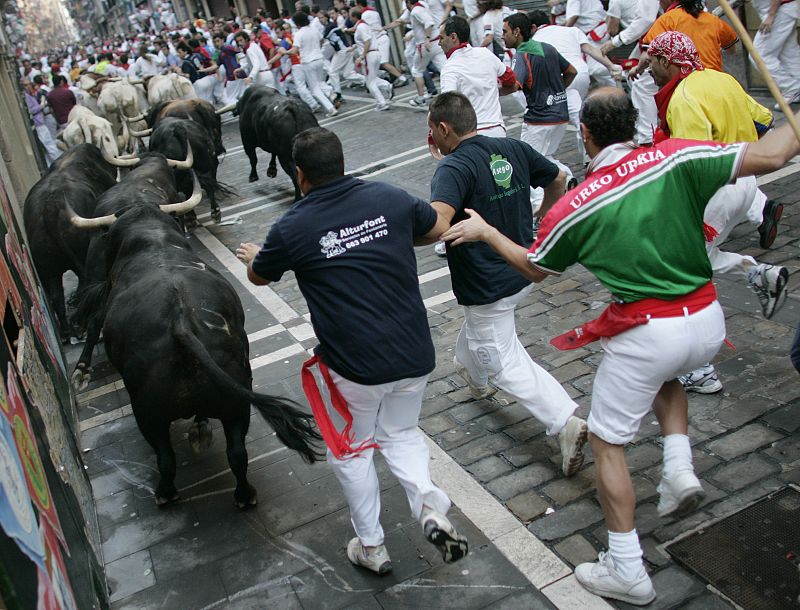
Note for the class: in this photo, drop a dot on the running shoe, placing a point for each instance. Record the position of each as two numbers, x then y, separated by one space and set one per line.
680 494
375 558
441 533
478 392
418 101
401 81
382 107
769 284
601 578
440 248
571 440
331 113
703 380
768 229
572 183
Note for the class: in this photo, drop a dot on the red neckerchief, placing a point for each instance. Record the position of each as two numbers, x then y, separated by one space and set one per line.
662 98
674 5
359 22
456 48
366 8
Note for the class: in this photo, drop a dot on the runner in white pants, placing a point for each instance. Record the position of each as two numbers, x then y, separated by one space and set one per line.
589 16
777 43
307 42
366 43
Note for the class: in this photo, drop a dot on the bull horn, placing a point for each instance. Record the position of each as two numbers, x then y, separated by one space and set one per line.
134 119
140 134
128 156
184 206
135 82
79 222
224 109
114 79
187 164
120 162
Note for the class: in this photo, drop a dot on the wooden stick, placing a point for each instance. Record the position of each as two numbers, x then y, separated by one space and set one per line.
744 36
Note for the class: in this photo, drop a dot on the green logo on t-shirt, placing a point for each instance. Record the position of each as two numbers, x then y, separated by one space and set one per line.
501 170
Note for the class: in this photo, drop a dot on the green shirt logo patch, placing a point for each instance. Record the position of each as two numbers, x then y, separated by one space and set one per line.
501 170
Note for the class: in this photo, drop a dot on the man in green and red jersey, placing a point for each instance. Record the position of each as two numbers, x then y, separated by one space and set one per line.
636 222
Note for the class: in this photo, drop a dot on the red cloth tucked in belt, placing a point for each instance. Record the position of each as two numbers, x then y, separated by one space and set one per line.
619 317
340 442
593 33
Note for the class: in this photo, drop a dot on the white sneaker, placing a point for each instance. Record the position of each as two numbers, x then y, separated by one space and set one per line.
703 380
440 248
382 107
571 440
602 579
401 81
441 533
680 494
478 392
419 102
769 284
374 558
331 113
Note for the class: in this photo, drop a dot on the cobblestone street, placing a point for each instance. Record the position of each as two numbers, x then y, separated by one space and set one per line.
527 524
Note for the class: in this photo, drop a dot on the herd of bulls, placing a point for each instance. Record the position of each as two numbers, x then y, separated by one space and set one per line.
172 327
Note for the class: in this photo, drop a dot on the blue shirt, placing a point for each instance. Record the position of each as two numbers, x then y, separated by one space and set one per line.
350 244
492 176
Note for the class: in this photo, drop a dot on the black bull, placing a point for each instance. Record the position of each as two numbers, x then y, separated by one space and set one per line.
270 121
197 110
174 329
171 138
77 178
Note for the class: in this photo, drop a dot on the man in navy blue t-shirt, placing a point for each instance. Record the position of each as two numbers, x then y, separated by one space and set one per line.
493 176
351 246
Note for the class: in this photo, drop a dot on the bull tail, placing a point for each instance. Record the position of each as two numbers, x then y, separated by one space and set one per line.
88 301
294 428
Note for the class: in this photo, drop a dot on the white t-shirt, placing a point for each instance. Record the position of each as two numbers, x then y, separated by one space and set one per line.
624 10
309 42
471 8
590 13
373 19
474 71
493 24
256 59
436 9
420 19
567 41
142 67
362 35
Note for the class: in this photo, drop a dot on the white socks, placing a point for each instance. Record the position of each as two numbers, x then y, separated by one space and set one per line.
677 454
627 553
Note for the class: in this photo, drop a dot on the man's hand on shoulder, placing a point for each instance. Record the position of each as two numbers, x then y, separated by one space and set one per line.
474 228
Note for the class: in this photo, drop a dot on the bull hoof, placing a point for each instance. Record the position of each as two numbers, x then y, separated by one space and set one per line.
200 436
253 178
245 498
272 172
216 215
81 377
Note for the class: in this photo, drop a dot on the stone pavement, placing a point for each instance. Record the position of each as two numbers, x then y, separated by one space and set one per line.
527 524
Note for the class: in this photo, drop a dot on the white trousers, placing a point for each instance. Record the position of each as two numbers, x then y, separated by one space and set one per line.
313 73
423 56
265 78
498 131
544 139
642 91
234 89
730 206
204 87
384 47
639 361
490 350
375 85
299 79
387 413
600 74
780 49
576 92
342 66
218 92
51 150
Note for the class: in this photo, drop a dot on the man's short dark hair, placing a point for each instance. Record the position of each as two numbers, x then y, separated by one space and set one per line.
305 9
185 48
521 21
38 79
458 26
609 117
356 12
360 2
57 80
318 152
300 19
538 18
454 109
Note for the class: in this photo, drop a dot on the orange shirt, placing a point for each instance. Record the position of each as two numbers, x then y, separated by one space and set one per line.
710 34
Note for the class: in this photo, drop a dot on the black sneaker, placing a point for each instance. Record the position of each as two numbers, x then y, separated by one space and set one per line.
441 533
768 229
572 183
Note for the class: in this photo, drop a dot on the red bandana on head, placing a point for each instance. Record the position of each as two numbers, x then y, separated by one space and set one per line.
677 48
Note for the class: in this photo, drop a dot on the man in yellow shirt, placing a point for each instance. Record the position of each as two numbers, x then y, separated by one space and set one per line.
699 104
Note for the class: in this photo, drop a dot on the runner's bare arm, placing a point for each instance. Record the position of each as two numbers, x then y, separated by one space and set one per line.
552 192
444 215
771 152
569 75
476 228
246 252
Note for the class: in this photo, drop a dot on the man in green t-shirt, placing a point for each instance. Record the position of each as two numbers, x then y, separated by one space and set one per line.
636 222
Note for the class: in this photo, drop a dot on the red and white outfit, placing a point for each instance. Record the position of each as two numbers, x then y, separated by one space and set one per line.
377 87
474 71
591 20
258 69
421 20
309 42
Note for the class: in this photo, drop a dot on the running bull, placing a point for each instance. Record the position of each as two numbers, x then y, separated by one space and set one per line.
270 121
174 329
75 180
